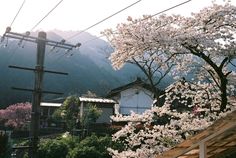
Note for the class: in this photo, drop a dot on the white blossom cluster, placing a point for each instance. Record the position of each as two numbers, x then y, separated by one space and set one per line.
168 38
144 137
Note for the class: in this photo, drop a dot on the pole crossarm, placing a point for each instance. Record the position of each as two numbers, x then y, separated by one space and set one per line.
32 69
27 37
38 91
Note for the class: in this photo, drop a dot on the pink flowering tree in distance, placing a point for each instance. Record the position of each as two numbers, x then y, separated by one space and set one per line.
203 44
16 115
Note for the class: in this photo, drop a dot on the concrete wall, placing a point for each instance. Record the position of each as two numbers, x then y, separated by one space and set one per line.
105 117
136 99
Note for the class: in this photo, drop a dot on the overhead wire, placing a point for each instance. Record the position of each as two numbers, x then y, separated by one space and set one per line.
47 14
17 13
158 13
110 16
165 10
104 19
9 45
148 17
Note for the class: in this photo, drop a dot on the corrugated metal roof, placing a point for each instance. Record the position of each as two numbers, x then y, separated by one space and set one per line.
96 100
50 104
82 99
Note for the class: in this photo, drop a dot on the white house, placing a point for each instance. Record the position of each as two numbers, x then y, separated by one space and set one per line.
135 96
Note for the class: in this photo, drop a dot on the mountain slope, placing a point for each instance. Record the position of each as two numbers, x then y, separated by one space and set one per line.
88 68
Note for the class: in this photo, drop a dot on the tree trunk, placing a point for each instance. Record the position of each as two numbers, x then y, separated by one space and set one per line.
218 70
224 100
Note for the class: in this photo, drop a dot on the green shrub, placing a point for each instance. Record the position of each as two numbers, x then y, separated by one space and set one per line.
90 115
4 145
84 152
71 147
52 149
94 147
68 112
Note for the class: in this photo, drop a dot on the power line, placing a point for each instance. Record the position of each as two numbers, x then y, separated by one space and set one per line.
165 10
104 19
47 14
17 13
158 13
95 25
2 37
93 39
175 6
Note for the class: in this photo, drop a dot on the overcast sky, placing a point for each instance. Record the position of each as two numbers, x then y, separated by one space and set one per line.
80 14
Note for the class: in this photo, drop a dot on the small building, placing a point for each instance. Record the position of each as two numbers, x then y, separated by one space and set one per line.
135 96
106 105
46 111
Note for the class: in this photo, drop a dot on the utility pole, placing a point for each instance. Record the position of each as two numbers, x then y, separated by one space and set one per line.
37 95
41 42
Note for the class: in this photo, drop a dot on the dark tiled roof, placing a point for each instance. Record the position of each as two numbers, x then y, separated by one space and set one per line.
137 82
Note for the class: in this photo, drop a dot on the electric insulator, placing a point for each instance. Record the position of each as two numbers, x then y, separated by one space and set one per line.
63 41
2 39
78 45
8 29
52 48
27 33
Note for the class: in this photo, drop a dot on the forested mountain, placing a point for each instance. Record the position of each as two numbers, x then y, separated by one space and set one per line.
88 68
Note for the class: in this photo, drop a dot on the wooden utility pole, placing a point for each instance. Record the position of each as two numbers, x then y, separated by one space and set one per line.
41 42
37 94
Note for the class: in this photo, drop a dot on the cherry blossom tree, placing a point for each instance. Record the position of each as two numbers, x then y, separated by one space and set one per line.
16 115
204 42
160 128
131 46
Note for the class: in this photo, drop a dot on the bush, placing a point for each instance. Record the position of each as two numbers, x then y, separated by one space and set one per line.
85 152
93 147
4 145
71 147
52 148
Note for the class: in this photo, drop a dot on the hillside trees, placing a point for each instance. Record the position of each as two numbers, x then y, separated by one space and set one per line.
5 146
204 43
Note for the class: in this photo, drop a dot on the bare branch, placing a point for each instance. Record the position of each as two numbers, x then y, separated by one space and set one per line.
223 62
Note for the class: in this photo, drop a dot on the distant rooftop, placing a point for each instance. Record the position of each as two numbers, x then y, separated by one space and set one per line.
50 104
138 82
82 99
96 100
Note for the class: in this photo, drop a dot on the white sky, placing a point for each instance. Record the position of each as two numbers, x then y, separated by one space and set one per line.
80 14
